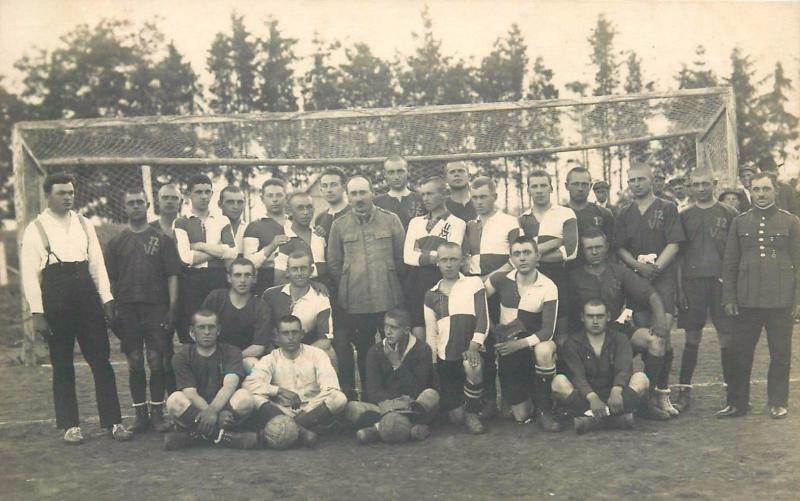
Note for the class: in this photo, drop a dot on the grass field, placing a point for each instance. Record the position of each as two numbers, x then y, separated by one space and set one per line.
693 457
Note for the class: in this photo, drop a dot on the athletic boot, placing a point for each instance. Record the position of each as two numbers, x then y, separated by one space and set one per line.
121 434
474 424
547 421
234 440
307 437
585 424
180 439
368 435
489 410
664 402
157 418
649 409
420 432
73 436
622 421
684 398
142 420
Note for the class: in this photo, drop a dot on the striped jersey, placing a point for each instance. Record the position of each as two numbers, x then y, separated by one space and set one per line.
526 306
424 235
316 248
453 320
213 230
551 226
488 244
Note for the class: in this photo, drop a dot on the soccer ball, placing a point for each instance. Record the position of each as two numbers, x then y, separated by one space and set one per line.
394 428
281 432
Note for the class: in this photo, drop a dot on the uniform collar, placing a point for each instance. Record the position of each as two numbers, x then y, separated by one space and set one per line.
439 283
399 196
767 211
512 275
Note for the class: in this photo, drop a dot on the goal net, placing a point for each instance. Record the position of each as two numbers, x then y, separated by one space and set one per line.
677 131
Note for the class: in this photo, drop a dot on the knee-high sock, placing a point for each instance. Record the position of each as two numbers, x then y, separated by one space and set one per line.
319 415
137 378
542 392
663 376
473 393
652 368
187 419
688 363
157 386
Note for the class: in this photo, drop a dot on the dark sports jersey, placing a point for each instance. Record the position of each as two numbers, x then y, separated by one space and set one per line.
594 216
157 226
706 234
465 212
324 221
414 375
239 327
313 310
139 264
616 286
526 308
205 374
265 230
453 320
650 232
408 207
591 373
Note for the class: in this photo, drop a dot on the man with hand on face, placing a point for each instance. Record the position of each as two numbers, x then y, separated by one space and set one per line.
365 252
298 381
425 233
524 336
401 379
648 233
169 205
399 199
202 247
761 289
600 385
301 238
231 202
66 285
143 267
456 327
706 224
242 317
263 237
209 402
306 301
589 215
459 203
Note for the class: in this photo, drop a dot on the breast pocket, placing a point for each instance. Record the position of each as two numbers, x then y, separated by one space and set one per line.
383 240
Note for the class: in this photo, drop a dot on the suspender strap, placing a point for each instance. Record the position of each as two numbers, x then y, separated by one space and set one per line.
46 241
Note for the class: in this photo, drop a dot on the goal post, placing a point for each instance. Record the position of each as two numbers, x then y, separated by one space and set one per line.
676 130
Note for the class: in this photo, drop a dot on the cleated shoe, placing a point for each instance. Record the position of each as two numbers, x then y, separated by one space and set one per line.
181 439
547 422
730 411
368 435
778 412
664 403
157 418
585 424
142 420
622 421
684 398
234 440
120 433
474 424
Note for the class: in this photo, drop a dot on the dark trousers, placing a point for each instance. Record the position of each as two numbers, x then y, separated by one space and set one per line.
354 329
73 311
747 331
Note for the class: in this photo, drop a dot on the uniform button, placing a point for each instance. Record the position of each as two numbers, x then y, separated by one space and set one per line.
760 239
763 255
760 246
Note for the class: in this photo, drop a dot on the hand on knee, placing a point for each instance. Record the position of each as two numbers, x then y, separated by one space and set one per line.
474 374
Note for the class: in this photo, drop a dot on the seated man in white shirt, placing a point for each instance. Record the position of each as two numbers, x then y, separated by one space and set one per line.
298 381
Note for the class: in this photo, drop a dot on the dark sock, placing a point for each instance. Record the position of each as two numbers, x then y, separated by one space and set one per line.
264 414
542 392
138 382
473 393
688 363
367 419
652 368
319 415
187 418
663 376
157 386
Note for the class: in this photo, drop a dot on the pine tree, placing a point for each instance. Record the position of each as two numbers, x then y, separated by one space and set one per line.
502 72
276 76
750 131
366 79
781 125
320 86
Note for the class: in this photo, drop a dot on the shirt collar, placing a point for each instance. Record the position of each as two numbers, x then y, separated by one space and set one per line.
439 283
766 211
412 340
444 216
512 275
365 219
406 192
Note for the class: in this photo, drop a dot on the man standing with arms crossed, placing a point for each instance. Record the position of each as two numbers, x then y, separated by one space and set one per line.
262 237
231 203
365 250
761 289
66 285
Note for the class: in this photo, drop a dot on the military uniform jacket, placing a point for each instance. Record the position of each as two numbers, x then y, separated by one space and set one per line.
761 267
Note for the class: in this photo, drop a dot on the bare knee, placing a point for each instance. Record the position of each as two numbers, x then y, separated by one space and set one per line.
545 354
639 382
242 402
177 403
561 385
429 398
474 374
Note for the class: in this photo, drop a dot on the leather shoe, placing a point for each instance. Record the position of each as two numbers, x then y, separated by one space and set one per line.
730 411
778 412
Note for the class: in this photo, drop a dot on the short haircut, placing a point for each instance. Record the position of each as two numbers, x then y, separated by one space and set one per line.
231 188
197 179
57 178
205 313
399 315
287 319
241 261
769 175
439 180
395 159
296 194
299 254
134 190
702 173
525 239
334 171
274 181
169 185
540 173
449 245
457 163
579 170
594 233
359 176
481 181
643 167
594 301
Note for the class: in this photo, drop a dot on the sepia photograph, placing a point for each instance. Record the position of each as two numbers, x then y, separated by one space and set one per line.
381 249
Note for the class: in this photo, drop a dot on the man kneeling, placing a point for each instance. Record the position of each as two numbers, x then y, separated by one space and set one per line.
296 389
401 401
209 402
600 386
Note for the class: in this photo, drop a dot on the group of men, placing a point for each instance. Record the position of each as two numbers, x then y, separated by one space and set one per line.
435 298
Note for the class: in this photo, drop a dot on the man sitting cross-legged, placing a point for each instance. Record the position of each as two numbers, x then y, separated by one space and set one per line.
243 317
456 326
600 385
401 380
209 402
298 381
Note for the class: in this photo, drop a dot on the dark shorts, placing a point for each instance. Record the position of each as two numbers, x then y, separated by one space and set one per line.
667 286
451 383
578 405
517 372
704 298
139 325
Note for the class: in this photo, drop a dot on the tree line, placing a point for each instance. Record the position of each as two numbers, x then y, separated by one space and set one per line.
116 68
